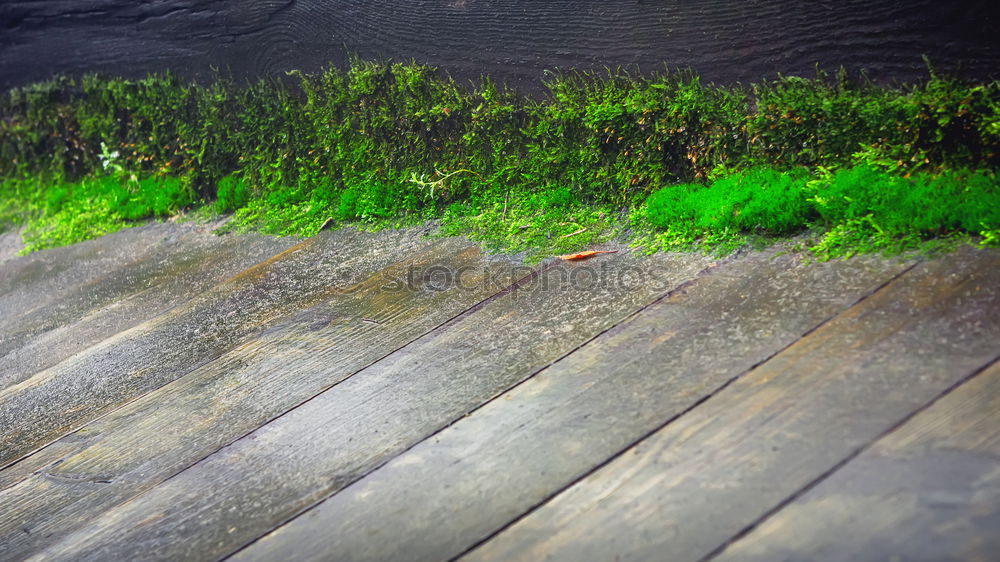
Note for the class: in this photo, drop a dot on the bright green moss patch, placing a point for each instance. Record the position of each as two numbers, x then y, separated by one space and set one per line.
663 160
59 212
759 200
930 204
852 209
864 210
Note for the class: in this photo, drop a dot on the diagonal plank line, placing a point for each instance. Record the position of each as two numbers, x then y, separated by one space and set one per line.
165 313
203 361
685 411
444 325
27 455
520 278
92 260
441 326
850 457
628 318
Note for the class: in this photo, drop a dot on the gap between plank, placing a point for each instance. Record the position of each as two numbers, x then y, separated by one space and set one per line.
843 462
527 278
444 325
196 366
677 416
493 398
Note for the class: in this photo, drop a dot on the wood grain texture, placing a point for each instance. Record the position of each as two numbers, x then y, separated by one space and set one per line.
513 40
11 245
693 485
299 459
129 451
448 493
130 293
928 491
29 283
57 400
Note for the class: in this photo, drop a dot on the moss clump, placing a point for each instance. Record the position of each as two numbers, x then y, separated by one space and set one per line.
57 213
852 209
384 143
761 199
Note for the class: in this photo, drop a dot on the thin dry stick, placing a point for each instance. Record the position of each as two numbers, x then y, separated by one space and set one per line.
582 230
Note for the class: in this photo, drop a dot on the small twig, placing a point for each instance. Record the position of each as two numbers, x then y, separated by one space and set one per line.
370 321
582 230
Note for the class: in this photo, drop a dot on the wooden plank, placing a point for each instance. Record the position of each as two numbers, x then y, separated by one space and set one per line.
10 245
455 489
134 448
513 40
127 295
289 464
700 480
57 400
928 491
32 281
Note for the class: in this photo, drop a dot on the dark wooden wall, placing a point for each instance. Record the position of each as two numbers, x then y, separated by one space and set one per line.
724 40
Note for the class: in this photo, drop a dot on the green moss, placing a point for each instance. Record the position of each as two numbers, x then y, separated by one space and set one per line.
855 209
68 212
87 218
381 144
760 200
538 224
928 204
232 193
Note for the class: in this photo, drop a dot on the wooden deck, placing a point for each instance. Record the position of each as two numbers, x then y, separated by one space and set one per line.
169 394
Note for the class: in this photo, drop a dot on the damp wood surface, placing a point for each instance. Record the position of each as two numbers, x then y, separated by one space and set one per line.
473 478
929 490
176 269
510 40
392 396
125 366
29 283
359 424
115 458
695 484
11 244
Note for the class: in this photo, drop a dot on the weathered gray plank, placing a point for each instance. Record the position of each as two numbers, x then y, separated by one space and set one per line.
29 282
131 363
508 39
928 491
449 492
693 485
127 295
291 463
10 245
143 443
